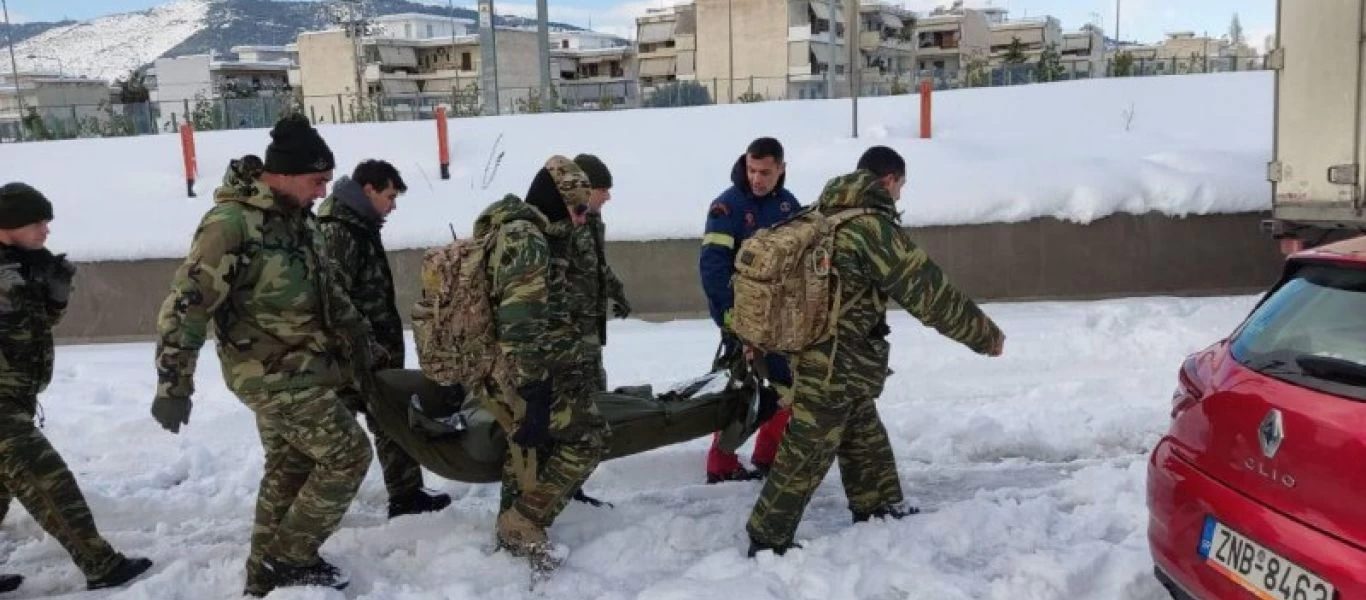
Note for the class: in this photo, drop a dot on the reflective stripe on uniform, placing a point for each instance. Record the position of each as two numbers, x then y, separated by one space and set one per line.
719 239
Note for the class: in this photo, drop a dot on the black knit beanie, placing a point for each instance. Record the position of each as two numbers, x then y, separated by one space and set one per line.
297 149
597 172
21 205
546 197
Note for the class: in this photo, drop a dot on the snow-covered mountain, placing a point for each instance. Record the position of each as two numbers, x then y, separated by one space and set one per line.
108 47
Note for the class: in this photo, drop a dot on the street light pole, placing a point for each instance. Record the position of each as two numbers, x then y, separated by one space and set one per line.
14 65
853 31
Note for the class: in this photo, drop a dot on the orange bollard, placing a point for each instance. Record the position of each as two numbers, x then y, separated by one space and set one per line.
187 152
443 146
925 92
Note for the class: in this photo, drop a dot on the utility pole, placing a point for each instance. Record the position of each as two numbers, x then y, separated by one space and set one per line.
18 93
543 46
730 53
852 29
1117 38
488 57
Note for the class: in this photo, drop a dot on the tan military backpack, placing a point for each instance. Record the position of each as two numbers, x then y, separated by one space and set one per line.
783 292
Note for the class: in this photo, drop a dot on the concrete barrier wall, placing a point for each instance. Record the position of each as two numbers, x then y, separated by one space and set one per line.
1121 255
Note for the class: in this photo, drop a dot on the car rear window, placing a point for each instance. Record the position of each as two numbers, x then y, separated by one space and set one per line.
1311 331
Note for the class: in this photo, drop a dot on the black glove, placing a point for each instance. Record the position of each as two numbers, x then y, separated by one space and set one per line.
534 431
171 412
620 307
768 404
59 279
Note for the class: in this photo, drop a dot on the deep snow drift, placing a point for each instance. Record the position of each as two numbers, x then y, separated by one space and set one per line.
1031 465
1079 151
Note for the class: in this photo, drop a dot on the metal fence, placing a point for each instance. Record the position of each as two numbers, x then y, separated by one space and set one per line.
112 119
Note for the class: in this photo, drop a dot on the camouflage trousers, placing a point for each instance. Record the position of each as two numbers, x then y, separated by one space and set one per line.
32 471
592 365
579 435
316 456
832 417
402 474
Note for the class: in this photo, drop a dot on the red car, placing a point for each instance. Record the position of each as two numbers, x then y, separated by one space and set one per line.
1258 489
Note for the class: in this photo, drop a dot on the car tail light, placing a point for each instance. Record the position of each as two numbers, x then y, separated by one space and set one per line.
1188 392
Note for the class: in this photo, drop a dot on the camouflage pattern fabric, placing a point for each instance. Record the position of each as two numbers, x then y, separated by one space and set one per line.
572 183
316 457
27 316
539 337
519 268
579 433
837 382
256 271
356 251
31 469
592 286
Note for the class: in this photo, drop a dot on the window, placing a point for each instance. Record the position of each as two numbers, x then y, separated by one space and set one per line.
465 62
408 30
564 44
431 33
1309 332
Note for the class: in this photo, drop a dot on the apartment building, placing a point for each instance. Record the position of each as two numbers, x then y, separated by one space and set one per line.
737 42
887 44
1083 52
418 26
260 74
407 77
59 100
950 40
1035 34
593 70
666 47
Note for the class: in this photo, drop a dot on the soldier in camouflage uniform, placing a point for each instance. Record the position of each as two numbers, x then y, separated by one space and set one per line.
593 285
558 423
838 381
34 288
288 340
350 220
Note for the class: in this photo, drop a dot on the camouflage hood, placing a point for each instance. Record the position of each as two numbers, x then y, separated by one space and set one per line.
509 209
242 184
860 189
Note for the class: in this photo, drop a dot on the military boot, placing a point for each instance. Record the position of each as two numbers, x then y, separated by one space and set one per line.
124 572
886 512
9 583
756 547
417 502
525 539
322 574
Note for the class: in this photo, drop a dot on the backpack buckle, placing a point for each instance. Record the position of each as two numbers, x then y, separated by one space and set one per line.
820 262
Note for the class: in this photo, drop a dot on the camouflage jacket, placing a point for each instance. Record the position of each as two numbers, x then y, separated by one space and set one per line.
27 318
534 329
257 271
362 269
876 260
592 284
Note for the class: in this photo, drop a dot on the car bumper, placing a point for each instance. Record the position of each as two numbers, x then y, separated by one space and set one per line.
1180 497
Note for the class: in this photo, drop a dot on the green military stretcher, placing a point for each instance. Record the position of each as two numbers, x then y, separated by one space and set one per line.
453 436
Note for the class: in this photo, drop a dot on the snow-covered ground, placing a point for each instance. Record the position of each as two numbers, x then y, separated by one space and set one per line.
1079 151
1031 467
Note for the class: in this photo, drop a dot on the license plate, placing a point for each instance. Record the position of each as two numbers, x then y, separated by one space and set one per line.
1267 575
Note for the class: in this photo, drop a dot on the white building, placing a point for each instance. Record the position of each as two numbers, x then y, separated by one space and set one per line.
418 26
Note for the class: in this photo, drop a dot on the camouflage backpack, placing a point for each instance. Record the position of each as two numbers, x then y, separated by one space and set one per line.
453 324
783 293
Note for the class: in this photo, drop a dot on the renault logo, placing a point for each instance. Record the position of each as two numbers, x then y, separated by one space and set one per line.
1270 433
